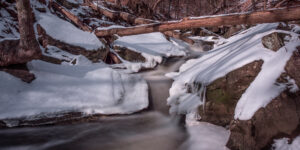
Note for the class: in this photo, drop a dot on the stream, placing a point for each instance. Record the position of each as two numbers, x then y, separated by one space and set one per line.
153 129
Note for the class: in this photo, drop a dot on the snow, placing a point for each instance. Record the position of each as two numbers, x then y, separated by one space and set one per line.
67 32
152 43
110 27
239 50
263 89
55 52
152 46
8 26
205 136
75 1
85 87
283 144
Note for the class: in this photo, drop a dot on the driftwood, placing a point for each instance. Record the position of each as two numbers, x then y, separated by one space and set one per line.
70 16
135 20
276 15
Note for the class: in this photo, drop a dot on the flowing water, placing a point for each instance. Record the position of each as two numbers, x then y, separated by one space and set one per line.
147 131
150 130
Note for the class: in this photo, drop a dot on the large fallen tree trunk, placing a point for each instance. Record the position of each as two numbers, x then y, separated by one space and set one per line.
135 20
275 15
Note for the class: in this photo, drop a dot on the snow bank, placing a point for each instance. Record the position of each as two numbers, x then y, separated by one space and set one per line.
67 32
87 88
238 51
283 144
153 46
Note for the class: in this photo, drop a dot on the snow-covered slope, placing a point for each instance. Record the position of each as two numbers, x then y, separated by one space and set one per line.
239 50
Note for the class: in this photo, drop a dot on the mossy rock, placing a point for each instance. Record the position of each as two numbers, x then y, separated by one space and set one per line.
223 94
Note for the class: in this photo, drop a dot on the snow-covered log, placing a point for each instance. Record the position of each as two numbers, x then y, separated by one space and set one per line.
70 16
135 20
274 15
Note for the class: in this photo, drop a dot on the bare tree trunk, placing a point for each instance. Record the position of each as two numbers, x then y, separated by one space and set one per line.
28 48
276 15
156 4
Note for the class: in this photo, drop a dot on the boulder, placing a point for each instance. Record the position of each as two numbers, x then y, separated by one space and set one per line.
20 71
94 56
233 30
223 94
275 41
278 119
293 65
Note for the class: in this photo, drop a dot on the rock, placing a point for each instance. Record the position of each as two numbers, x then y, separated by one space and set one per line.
293 65
2 124
223 94
201 45
20 71
129 55
275 41
279 119
233 30
51 59
94 55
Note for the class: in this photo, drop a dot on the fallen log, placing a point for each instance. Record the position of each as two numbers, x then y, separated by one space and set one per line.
70 16
269 16
280 3
135 20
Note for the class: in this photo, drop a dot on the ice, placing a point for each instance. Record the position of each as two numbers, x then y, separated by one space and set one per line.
87 88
